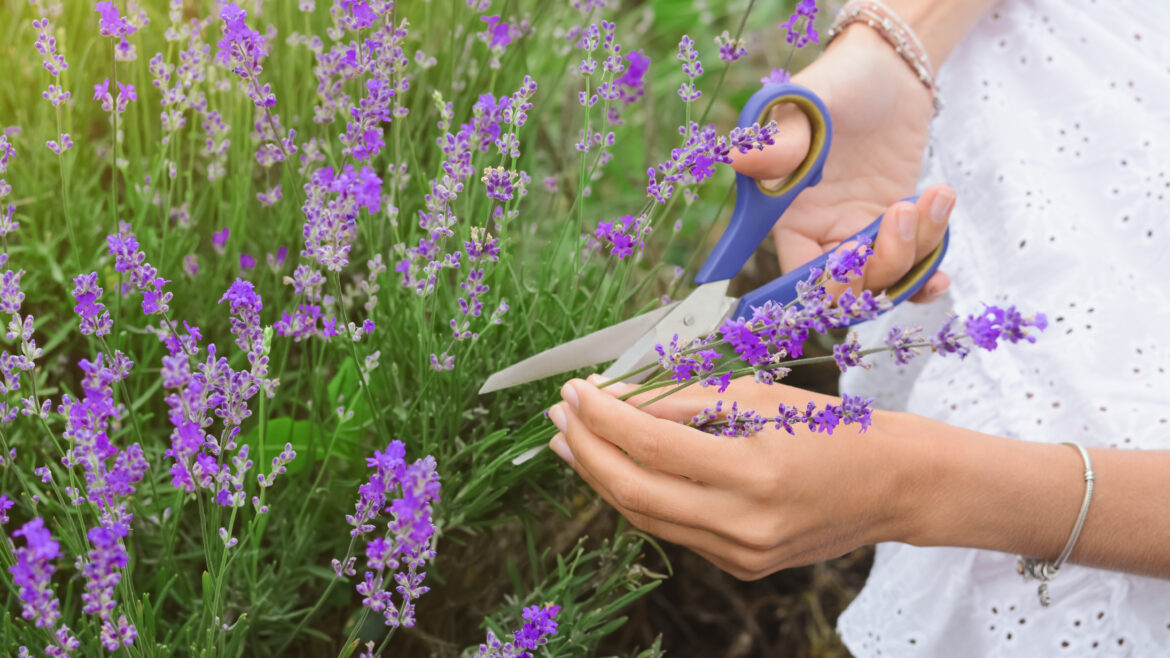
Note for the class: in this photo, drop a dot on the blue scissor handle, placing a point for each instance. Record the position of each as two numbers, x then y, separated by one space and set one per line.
782 290
756 207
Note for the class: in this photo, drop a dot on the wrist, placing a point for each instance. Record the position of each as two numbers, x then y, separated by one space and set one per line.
940 25
959 487
864 47
911 472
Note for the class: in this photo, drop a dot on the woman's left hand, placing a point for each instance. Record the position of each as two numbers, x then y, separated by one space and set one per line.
751 506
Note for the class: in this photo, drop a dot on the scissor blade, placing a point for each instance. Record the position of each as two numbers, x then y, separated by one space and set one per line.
600 346
697 315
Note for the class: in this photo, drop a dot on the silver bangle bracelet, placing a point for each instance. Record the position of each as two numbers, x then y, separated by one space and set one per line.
1044 570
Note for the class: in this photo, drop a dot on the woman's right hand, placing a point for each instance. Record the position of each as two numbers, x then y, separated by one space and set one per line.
881 114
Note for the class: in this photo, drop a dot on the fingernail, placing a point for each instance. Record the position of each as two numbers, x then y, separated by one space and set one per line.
941 208
560 447
598 380
569 394
907 222
557 416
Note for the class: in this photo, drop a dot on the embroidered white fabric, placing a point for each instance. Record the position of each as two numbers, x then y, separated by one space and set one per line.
1056 137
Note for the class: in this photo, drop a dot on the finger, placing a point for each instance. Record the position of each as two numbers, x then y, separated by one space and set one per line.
661 444
678 407
789 148
934 208
727 566
911 233
895 247
720 550
626 485
934 288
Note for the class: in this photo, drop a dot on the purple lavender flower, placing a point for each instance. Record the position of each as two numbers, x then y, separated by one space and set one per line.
637 64
53 61
692 67
110 474
499 183
203 391
32 571
730 49
358 13
848 354
805 9
245 305
946 341
741 423
243 49
624 234
247 261
994 323
126 93
786 418
540 624
776 76
442 362
122 634
276 260
331 210
270 197
95 319
131 262
111 23
499 33
844 264
687 54
692 162
399 554
11 296
825 420
900 340
102 572
7 152
219 239
855 410
748 345
685 364
5 505
865 306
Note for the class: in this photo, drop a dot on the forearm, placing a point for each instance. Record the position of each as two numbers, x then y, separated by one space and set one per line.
963 488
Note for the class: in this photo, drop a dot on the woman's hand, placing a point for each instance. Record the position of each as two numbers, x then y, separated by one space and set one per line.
762 503
749 505
881 113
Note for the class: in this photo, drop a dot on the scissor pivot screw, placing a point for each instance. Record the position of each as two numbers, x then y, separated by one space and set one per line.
688 320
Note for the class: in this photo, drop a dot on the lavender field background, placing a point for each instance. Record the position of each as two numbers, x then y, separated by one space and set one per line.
258 259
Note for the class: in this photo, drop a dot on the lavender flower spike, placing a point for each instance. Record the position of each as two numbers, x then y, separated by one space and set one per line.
540 624
95 319
131 262
32 571
111 23
407 545
242 49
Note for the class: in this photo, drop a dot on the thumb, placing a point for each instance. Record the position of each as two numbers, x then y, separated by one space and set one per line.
790 147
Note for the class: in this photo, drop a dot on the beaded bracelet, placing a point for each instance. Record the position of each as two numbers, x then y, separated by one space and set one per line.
896 32
1044 570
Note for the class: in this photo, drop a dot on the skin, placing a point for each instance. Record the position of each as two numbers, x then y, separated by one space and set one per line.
756 505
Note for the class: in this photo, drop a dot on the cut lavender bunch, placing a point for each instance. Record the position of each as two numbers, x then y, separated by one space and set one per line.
771 342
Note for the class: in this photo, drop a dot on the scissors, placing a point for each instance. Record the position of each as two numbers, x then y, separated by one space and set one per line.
630 344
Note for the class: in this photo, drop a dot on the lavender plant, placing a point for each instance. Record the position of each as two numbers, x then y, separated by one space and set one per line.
252 286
